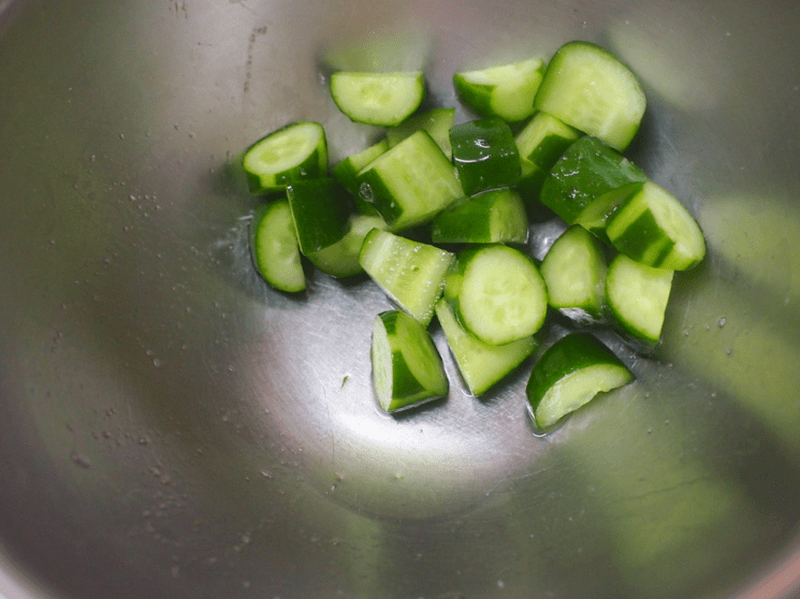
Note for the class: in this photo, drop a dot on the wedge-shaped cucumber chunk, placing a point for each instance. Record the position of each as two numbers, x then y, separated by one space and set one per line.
654 228
346 172
340 260
320 212
497 293
485 155
383 99
570 373
587 169
590 89
637 297
544 139
273 246
574 269
407 369
505 91
481 365
437 122
297 151
410 273
496 216
411 182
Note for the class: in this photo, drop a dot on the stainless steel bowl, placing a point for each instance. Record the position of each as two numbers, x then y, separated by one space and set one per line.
170 427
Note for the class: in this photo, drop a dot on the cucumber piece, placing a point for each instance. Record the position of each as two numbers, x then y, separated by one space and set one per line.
496 216
320 212
529 185
544 139
485 155
590 89
637 297
273 246
341 259
410 183
587 169
574 270
654 228
437 122
481 365
497 293
346 172
569 374
407 369
297 151
383 99
594 217
410 273
505 91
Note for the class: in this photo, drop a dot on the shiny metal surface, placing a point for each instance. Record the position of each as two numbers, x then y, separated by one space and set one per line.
170 427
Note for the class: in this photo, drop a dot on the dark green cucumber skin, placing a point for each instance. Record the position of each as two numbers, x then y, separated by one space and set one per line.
321 210
373 190
456 223
586 170
404 382
644 241
315 167
569 354
480 102
485 155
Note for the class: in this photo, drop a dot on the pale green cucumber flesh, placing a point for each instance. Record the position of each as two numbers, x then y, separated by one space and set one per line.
503 296
574 270
406 366
481 365
274 247
383 99
410 273
637 297
297 151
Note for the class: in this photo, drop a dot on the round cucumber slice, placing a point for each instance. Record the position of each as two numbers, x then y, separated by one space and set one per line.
273 245
297 151
406 366
569 374
383 99
502 296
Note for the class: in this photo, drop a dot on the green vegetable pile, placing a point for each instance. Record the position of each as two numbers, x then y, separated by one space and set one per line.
437 214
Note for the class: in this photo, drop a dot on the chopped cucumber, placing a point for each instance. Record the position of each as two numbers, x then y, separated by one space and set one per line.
410 273
410 183
341 259
652 227
575 272
496 216
383 99
594 217
544 139
437 122
569 374
637 297
297 151
346 172
485 155
406 367
497 293
590 89
320 212
586 170
481 365
505 91
273 246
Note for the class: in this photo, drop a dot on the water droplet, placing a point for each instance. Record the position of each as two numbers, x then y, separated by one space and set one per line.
79 459
122 136
157 363
722 321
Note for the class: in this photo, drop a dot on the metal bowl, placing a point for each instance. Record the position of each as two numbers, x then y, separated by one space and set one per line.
171 427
